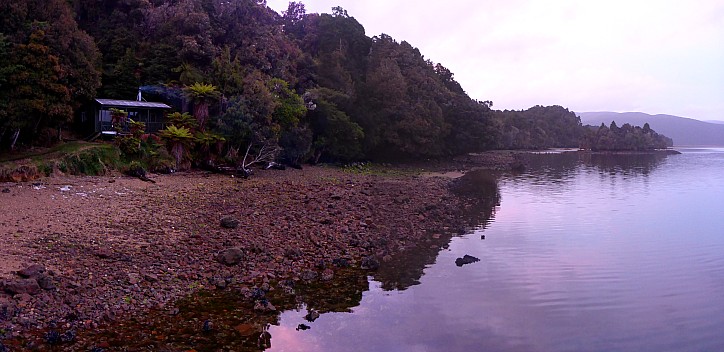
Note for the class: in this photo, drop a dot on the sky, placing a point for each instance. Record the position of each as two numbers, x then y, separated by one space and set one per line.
657 57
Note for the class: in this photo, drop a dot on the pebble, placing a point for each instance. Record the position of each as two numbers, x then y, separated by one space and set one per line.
290 231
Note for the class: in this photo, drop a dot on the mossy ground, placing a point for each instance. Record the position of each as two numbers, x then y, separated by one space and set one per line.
74 158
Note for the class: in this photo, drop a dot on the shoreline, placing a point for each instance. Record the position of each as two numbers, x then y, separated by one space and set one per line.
113 247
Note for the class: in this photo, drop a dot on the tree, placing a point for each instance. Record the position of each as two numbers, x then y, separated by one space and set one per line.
178 139
338 11
289 107
35 96
8 123
336 136
202 95
293 16
50 67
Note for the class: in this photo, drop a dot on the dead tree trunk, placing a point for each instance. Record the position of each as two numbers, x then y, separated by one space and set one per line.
15 139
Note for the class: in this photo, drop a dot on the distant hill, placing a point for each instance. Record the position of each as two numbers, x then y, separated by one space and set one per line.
684 131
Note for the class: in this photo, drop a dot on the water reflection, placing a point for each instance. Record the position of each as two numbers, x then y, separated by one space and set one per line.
586 252
232 321
481 192
561 167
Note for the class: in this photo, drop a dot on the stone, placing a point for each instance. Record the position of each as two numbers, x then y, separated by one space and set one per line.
293 253
466 259
229 223
104 253
68 336
208 326
327 275
150 277
309 275
230 256
264 306
218 282
29 286
46 282
52 337
341 263
311 316
32 271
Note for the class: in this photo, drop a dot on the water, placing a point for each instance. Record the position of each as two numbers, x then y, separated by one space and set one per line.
584 253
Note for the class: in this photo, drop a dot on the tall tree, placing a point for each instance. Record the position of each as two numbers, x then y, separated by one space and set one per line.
202 95
35 96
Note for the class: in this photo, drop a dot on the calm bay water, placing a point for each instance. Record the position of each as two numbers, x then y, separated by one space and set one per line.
584 253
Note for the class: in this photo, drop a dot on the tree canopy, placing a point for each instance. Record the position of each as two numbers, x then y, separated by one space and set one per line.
315 85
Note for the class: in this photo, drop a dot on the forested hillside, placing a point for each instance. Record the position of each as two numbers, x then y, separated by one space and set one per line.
305 86
683 131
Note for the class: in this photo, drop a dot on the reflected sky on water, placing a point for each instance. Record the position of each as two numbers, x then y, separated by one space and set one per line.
584 253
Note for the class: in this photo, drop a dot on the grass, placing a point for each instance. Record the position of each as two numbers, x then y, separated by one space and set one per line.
75 158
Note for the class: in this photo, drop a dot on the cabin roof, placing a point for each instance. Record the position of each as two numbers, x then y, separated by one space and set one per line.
131 104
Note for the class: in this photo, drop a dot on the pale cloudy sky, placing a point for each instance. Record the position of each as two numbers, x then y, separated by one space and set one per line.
653 56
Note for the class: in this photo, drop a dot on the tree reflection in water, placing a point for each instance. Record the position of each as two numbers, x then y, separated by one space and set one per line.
480 191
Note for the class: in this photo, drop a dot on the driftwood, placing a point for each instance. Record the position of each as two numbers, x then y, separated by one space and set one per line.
140 172
235 171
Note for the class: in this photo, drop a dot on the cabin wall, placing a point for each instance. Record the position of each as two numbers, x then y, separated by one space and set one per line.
153 118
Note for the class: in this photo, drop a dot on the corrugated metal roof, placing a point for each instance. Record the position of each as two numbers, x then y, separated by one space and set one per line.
131 104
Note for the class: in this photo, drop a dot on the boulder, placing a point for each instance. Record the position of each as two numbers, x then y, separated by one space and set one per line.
46 282
20 286
229 223
311 316
466 259
32 272
341 263
230 256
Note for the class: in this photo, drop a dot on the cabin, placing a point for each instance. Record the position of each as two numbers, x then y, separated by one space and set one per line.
151 113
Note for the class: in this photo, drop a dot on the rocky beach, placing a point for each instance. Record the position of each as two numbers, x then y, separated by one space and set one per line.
82 253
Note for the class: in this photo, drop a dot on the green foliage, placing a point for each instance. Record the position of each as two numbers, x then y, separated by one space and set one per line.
91 161
208 144
118 118
48 67
336 136
540 127
624 138
201 94
130 144
178 139
313 84
289 106
122 77
182 120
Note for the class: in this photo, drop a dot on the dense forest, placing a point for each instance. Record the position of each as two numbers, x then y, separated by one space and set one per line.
626 137
296 86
